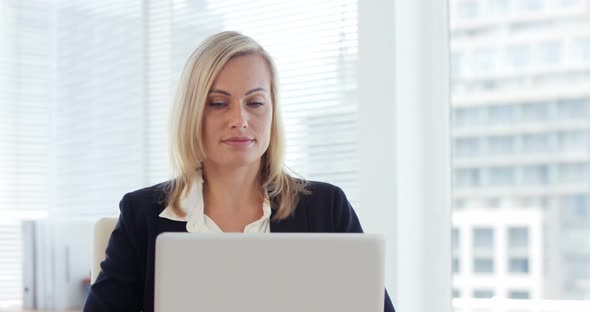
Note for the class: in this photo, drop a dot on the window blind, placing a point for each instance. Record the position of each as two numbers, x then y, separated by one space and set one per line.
86 121
24 125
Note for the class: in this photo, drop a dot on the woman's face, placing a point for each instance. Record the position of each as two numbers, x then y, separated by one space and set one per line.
238 113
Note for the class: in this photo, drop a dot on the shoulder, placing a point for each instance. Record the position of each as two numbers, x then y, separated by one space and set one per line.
323 188
155 194
143 204
138 210
327 209
322 192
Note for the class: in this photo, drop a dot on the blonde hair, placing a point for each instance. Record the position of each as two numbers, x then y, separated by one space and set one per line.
186 144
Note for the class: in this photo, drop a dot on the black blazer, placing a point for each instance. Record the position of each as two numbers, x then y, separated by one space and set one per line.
126 280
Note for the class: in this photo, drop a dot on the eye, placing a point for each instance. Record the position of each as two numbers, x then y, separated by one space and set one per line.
255 104
217 104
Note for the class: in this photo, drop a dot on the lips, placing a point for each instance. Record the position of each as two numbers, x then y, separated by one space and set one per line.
238 140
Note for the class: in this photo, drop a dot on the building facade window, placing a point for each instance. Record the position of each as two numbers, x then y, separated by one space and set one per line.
581 50
518 294
518 237
535 111
467 147
457 60
530 5
483 265
483 238
500 145
455 239
574 141
535 174
501 176
535 143
501 114
466 178
467 117
567 3
518 56
578 266
518 265
483 293
573 109
574 173
483 60
549 53
576 206
467 9
456 265
499 7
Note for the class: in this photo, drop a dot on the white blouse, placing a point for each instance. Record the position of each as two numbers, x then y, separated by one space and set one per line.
198 222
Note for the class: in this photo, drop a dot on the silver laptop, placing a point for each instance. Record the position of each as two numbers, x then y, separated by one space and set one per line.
269 272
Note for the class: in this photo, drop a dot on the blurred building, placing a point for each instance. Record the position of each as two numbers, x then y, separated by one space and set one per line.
521 124
497 254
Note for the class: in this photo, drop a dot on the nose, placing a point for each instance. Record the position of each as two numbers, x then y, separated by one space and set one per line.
238 117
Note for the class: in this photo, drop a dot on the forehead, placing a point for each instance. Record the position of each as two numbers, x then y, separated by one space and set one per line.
245 71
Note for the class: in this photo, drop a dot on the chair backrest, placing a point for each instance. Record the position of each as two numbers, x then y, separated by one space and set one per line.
102 232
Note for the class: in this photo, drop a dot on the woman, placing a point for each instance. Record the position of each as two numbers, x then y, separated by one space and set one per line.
227 149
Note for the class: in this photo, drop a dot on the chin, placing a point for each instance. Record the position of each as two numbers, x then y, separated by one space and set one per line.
240 162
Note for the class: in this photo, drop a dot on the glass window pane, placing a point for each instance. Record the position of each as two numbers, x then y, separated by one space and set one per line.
465 178
499 7
578 266
530 5
467 9
483 265
500 145
467 147
518 56
518 237
536 111
574 109
483 238
575 173
457 65
483 61
567 3
581 50
576 206
518 294
535 143
483 293
535 174
467 117
501 115
518 265
500 176
574 141
549 52
527 77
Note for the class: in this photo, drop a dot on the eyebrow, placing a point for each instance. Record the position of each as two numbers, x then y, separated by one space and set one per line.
228 94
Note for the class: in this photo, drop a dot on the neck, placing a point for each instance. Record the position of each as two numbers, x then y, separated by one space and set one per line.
231 189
